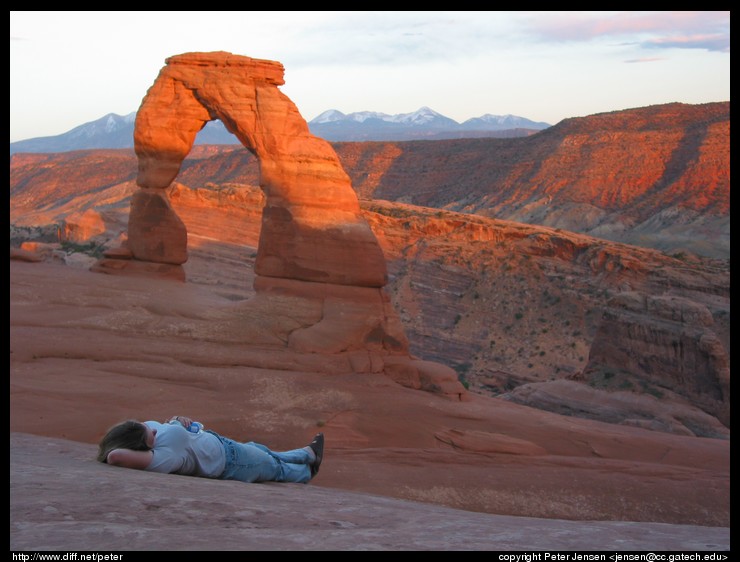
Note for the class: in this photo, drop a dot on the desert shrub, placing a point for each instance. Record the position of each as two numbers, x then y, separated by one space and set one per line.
463 381
90 248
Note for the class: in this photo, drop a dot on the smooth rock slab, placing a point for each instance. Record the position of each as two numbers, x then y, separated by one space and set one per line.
62 499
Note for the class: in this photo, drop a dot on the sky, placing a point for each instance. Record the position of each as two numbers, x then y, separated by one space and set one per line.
69 68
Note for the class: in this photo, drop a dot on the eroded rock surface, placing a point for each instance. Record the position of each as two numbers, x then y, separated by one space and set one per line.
668 341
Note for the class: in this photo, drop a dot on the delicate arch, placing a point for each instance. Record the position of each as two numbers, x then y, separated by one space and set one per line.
312 227
320 270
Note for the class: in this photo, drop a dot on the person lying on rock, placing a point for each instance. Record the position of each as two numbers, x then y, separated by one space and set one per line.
181 446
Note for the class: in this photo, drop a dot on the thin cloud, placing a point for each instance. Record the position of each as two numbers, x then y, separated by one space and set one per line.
718 43
398 38
687 30
645 59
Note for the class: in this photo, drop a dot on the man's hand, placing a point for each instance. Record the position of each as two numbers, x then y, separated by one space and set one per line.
185 421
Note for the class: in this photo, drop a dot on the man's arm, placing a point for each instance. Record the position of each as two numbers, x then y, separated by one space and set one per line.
130 459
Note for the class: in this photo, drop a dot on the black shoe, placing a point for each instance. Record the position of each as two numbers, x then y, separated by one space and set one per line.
317 446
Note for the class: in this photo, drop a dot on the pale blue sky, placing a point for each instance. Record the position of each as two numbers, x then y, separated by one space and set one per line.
69 68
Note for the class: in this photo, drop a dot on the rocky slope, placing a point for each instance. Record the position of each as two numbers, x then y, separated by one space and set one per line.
88 350
508 305
505 304
656 176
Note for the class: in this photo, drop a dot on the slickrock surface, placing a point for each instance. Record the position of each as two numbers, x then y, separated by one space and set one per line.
62 499
88 350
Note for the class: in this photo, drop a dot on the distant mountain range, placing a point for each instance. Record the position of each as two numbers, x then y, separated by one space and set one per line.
425 123
117 131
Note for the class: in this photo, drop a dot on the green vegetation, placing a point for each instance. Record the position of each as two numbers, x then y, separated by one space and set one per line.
464 381
395 212
462 370
649 389
91 248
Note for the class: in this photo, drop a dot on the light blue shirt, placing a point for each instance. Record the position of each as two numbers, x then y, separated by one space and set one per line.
178 451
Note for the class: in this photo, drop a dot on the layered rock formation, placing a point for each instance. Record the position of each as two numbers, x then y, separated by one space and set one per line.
320 270
655 362
656 176
666 342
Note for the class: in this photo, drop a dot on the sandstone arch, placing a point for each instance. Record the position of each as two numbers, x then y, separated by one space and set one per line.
320 271
312 229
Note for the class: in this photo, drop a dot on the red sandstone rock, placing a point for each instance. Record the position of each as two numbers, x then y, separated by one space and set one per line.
426 375
445 265
124 265
156 233
25 255
83 227
484 442
87 351
320 269
312 228
667 340
118 253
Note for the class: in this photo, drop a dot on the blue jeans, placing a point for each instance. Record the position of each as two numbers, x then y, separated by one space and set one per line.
253 462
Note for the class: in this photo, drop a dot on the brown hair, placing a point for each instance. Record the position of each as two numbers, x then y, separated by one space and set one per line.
130 434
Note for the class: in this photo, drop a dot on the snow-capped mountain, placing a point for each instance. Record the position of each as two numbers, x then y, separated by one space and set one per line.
420 117
110 131
328 116
424 123
117 131
502 122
